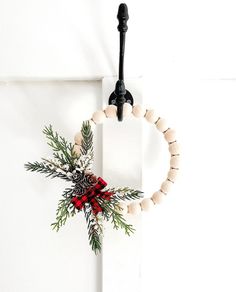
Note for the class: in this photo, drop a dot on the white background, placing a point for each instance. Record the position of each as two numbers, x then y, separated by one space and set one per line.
185 52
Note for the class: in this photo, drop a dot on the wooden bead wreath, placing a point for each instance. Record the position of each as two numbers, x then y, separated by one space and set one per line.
150 116
89 193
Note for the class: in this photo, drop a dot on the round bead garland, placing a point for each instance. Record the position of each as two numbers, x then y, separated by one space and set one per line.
151 116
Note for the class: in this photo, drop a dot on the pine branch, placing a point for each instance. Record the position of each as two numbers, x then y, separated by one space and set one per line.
95 230
111 211
71 167
63 151
87 141
123 194
41 167
85 159
84 162
64 210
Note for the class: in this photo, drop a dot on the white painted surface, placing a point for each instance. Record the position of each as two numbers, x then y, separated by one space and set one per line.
187 53
33 257
122 166
187 244
78 39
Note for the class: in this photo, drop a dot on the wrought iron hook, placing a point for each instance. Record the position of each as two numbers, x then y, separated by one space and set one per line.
121 94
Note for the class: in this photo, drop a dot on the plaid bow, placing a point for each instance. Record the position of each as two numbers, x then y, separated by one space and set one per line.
90 197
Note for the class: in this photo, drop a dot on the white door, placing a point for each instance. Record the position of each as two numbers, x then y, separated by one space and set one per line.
54 58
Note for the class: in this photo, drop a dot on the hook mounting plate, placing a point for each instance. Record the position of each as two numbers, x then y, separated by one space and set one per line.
128 98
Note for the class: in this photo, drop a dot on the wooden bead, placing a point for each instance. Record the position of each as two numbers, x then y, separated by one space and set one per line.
166 186
99 117
161 125
175 161
174 148
158 197
76 149
123 208
127 109
147 204
138 111
134 208
170 135
78 138
172 174
151 116
111 111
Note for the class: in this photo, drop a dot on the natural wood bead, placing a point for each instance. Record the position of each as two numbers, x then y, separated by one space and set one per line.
111 111
147 204
161 125
170 135
158 197
151 116
127 109
138 111
78 138
76 149
99 117
134 208
172 174
166 186
174 148
123 208
175 161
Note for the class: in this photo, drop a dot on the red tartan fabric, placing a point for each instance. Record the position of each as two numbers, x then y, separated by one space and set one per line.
90 197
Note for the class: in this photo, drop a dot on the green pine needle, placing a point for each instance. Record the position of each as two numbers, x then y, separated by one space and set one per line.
95 229
125 194
87 141
111 212
64 210
66 160
44 168
63 151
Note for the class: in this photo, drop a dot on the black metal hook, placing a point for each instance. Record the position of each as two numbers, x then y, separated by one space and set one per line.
121 94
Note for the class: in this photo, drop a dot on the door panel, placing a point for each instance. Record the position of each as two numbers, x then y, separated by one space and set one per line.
33 257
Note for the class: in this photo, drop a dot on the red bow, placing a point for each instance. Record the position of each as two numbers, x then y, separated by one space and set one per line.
90 197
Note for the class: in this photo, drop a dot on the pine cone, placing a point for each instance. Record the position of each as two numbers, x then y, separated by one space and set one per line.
83 181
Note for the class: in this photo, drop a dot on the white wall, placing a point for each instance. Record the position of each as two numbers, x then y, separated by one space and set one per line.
186 52
78 39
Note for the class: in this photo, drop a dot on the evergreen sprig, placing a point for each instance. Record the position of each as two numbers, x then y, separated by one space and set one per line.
63 151
85 160
112 212
64 210
125 194
41 167
95 229
73 167
87 139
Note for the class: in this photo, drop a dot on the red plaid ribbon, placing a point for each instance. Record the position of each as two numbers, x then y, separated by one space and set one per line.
90 197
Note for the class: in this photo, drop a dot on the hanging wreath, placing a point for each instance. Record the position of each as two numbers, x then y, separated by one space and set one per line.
89 193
